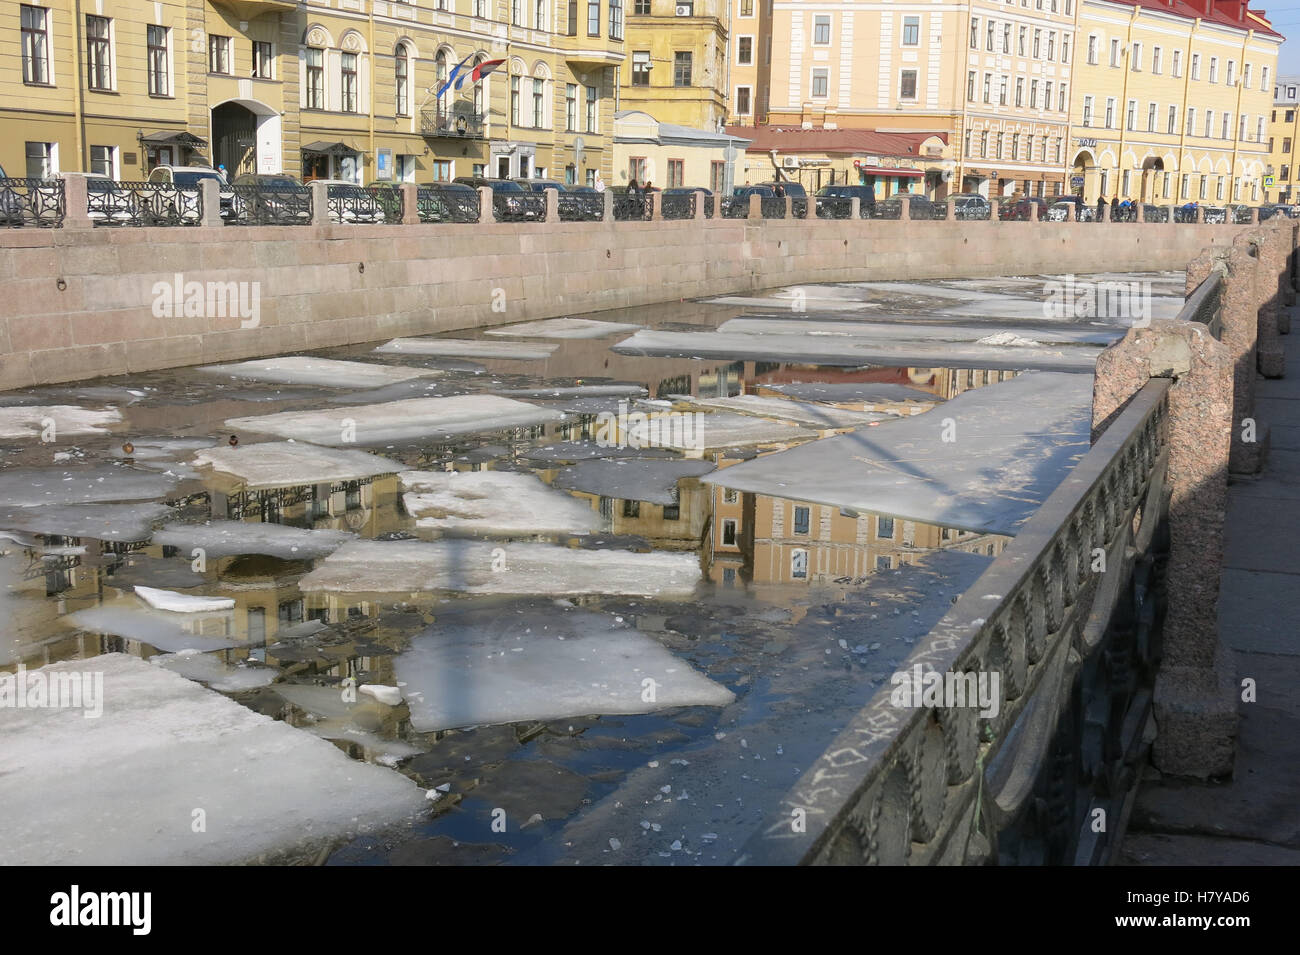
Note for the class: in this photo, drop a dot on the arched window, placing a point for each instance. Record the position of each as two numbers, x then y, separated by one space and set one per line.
480 91
402 79
440 75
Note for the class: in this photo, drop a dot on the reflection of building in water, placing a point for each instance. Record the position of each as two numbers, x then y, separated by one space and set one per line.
950 382
366 506
776 540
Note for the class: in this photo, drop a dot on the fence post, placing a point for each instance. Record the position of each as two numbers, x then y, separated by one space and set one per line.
320 204
656 205
485 216
855 207
608 215
699 204
76 200
410 203
1195 699
552 205
755 210
905 207
1273 241
1141 212
950 210
211 191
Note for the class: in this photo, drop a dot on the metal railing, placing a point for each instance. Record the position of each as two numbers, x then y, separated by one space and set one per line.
519 207
973 211
1242 215
439 205
929 210
882 209
677 206
365 205
270 205
709 203
927 784
631 208
771 208
31 202
731 207
1154 213
455 123
834 207
1205 304
1214 214
799 207
143 204
581 206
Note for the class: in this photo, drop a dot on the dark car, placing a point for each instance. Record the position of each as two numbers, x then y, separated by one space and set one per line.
970 205
448 202
1270 209
1022 209
922 207
510 192
837 204
541 185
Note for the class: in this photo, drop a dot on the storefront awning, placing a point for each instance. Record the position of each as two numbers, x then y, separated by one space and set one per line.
883 171
166 137
324 148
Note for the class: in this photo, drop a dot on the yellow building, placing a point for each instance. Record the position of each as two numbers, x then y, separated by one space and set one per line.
1172 101
668 155
1283 133
676 67
316 91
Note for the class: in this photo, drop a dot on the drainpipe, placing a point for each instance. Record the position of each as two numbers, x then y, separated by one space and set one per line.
1236 139
1182 120
1126 64
965 108
374 159
79 126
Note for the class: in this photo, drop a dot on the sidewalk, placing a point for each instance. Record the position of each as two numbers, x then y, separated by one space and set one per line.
1253 819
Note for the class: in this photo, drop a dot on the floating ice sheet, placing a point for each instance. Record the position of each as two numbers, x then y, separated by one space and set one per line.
577 391
290 463
696 431
562 451
306 370
165 746
109 522
207 669
400 420
31 421
818 417
182 603
984 461
1058 333
466 348
634 479
490 567
505 666
867 392
229 538
162 630
32 487
564 328
493 503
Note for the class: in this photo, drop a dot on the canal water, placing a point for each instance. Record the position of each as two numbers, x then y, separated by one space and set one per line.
584 649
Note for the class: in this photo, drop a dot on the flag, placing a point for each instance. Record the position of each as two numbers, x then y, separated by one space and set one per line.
453 77
482 70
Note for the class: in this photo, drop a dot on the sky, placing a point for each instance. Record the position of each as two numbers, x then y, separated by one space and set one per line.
1285 16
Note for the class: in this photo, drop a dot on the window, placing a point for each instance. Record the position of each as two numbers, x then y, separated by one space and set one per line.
1231 73
480 9
1177 66
571 107
799 564
745 50
1245 76
99 54
1114 52
542 22
1173 121
1290 116
984 144
41 162
821 31
883 562
264 60
1020 42
348 87
1191 121
539 104
1015 147
728 532
1186 187
1151 118
1020 91
746 8
1259 129
36 45
911 31
1047 95
742 101
717 177
907 84
315 78
1131 116
1002 92
517 12
1227 125
514 102
988 86
103 161
642 8
1087 110
1051 45
676 173
682 68
1214 69
1061 99
997 151
1263 83
156 51
801 520
1286 144
1006 38
1196 66
1155 59
218 54
1033 94
591 110
636 168
820 79
401 81
631 508
885 528
974 33
1110 112
1286 171
1065 48
615 18
988 43
641 68
593 17
1135 59
1092 49
970 86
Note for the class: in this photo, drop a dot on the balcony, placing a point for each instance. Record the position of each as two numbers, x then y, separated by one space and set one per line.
453 123
249 9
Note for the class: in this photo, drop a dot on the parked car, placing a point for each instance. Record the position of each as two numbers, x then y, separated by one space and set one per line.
970 205
922 206
1059 210
354 204
1268 210
444 197
1021 209
866 196
512 191
541 185
1216 214
190 177
266 205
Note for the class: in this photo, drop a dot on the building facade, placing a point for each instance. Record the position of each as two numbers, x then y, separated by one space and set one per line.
671 156
1172 101
345 90
1280 179
677 60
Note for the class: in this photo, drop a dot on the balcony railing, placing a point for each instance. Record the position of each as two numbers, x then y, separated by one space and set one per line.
31 202
454 123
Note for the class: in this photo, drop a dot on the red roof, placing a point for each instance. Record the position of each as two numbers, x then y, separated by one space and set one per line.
873 142
1231 13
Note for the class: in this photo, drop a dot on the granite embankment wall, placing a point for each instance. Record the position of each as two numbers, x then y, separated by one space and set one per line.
79 303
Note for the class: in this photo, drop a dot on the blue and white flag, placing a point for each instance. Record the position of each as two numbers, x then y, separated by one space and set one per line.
454 78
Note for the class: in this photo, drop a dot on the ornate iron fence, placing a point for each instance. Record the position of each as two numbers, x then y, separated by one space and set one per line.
883 209
581 206
31 202
929 210
940 784
442 205
143 204
709 203
519 206
771 208
1242 215
1205 304
1155 213
627 208
798 208
677 206
970 210
270 205
833 207
732 207
1215 214
363 205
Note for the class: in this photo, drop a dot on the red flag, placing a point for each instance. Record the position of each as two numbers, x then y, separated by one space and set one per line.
483 69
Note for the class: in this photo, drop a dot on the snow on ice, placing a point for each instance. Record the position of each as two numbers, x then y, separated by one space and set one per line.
231 538
31 421
289 463
467 348
564 328
496 503
306 370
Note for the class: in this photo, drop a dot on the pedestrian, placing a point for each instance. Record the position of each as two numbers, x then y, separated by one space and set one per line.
600 183
1101 208
779 191
1127 211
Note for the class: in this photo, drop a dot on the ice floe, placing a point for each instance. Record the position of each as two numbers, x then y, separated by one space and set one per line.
400 420
32 487
636 479
502 667
230 538
209 670
986 333
290 463
307 370
564 328
170 750
488 567
495 503
467 348
108 522
32 421
818 417
168 632
182 603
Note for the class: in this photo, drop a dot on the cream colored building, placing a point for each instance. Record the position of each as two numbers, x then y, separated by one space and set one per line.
676 64
1283 134
668 156
1172 103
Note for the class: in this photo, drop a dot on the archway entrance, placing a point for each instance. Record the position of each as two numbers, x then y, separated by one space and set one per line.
1153 169
246 138
1083 175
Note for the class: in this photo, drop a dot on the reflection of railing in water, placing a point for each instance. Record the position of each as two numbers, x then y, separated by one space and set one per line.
938 785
